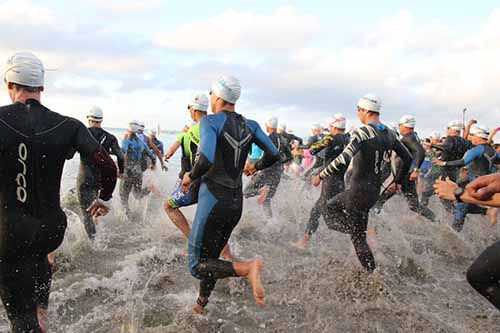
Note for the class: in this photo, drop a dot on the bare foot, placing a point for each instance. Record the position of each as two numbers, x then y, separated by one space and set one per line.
254 277
43 319
302 244
262 195
198 309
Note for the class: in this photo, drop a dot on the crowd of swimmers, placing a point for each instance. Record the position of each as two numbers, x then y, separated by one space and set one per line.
358 169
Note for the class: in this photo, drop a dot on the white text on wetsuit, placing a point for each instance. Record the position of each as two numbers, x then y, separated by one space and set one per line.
21 192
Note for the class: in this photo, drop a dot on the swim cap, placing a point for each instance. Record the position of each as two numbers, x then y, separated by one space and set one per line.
455 125
95 114
152 132
133 126
436 135
480 131
316 126
407 121
26 69
370 102
228 88
338 121
272 122
282 127
199 102
141 125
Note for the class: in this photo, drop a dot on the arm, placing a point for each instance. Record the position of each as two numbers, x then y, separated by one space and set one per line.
467 128
115 150
206 151
345 157
173 148
416 149
492 135
149 152
87 146
294 137
155 150
489 197
470 156
446 146
271 153
320 145
406 157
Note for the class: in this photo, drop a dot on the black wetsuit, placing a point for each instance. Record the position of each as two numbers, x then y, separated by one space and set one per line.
270 177
158 144
409 187
332 145
34 144
369 149
452 149
226 139
320 157
289 137
87 182
484 274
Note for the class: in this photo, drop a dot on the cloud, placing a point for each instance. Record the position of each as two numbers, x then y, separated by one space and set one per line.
128 6
283 29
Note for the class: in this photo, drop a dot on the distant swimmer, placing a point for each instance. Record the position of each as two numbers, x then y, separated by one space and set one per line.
409 186
480 159
34 144
433 172
87 182
226 140
181 142
369 149
484 273
265 183
197 108
333 144
149 142
134 150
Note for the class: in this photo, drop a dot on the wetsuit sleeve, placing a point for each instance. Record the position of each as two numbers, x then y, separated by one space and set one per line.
271 153
308 144
125 144
446 146
115 150
469 156
343 160
416 149
294 137
89 148
320 145
406 158
206 151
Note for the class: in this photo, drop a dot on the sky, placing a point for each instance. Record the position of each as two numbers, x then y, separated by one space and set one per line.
301 61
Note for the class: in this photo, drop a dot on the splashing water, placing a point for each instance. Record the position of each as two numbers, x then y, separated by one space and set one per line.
134 276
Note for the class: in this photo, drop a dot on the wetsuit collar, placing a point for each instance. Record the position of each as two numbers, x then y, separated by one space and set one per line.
379 127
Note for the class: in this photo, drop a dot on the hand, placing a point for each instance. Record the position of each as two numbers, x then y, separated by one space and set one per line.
484 187
98 208
249 169
445 189
437 161
315 181
471 122
414 175
186 182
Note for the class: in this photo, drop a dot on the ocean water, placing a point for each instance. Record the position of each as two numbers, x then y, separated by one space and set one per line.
134 276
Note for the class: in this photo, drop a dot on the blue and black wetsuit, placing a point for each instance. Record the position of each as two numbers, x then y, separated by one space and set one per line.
226 140
370 149
34 144
480 160
332 145
88 182
270 177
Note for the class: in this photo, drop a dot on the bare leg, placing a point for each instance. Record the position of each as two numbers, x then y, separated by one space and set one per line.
492 216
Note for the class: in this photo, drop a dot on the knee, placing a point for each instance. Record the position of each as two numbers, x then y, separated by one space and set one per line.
167 205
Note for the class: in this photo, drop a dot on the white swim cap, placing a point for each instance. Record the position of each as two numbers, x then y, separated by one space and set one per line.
436 135
455 125
95 114
316 126
407 121
370 102
228 88
480 131
133 126
282 127
199 102
272 122
26 69
338 121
